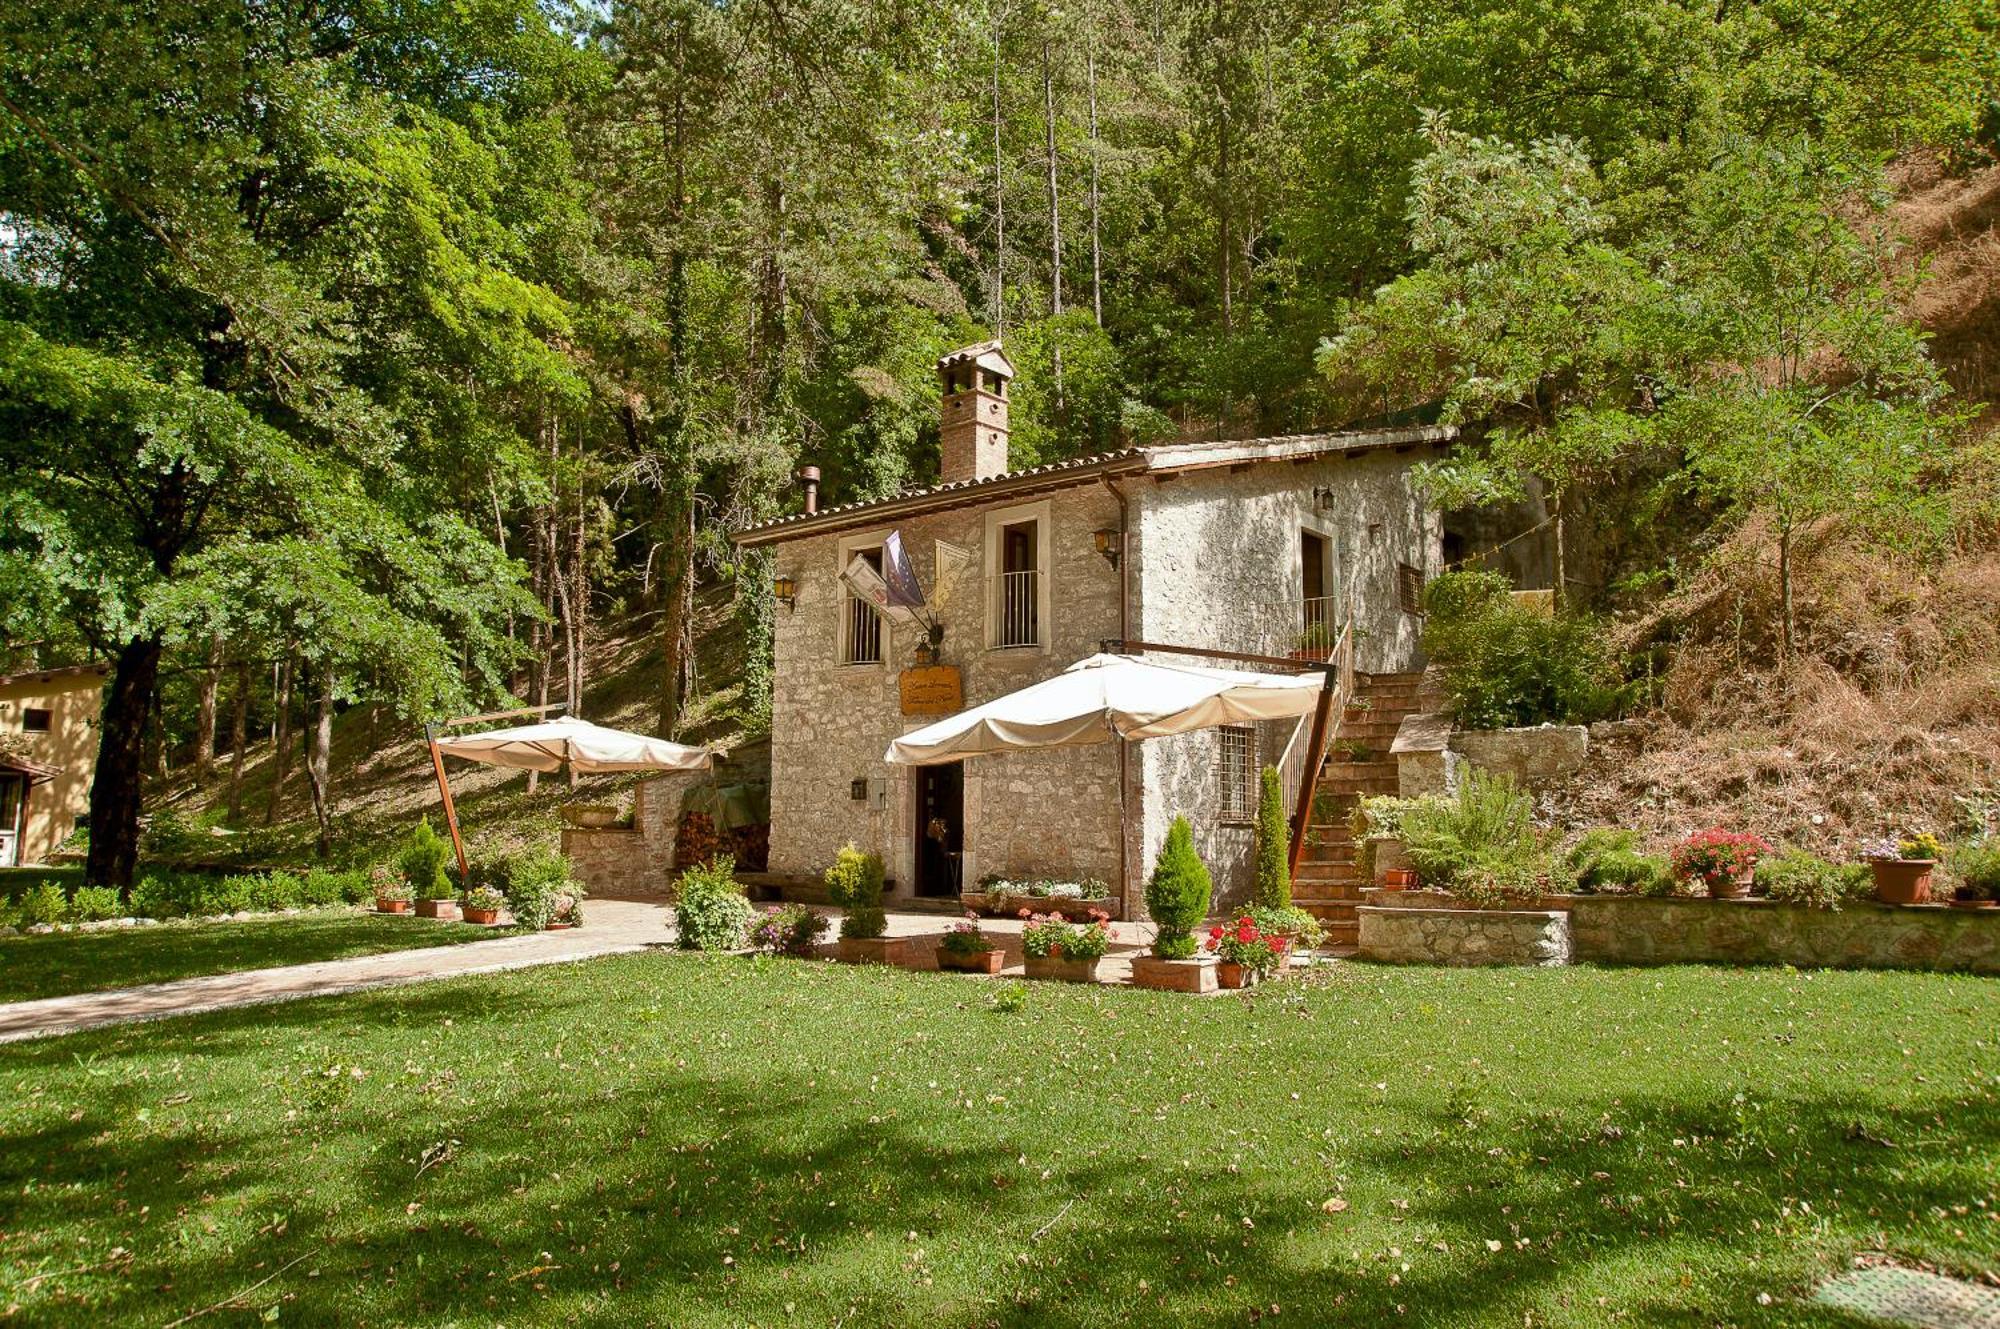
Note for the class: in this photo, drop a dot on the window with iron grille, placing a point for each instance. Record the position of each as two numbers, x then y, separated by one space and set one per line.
1020 606
861 630
1236 766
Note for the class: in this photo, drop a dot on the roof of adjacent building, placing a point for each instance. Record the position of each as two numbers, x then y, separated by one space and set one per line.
1159 459
62 674
38 772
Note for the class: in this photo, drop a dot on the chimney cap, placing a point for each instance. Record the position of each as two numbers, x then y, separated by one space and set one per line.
985 354
808 472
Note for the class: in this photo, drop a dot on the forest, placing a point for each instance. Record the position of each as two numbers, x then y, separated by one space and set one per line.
386 350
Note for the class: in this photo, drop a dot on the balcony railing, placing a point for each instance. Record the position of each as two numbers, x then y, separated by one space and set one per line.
1018 606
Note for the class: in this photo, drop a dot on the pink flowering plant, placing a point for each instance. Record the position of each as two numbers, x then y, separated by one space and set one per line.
1717 856
965 938
1242 942
1053 937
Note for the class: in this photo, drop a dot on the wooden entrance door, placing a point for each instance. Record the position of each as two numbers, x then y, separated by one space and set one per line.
940 829
13 816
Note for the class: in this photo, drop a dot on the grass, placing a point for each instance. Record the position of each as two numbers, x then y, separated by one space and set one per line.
669 1139
56 964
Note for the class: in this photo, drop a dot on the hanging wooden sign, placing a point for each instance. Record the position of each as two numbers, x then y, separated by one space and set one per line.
932 690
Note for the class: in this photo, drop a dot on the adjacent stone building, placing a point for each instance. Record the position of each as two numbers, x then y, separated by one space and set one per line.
1253 545
48 754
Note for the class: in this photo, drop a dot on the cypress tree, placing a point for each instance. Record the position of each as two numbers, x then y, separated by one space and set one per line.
1177 895
1274 870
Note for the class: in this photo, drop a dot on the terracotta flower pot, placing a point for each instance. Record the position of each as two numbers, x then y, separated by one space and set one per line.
437 909
1736 887
391 906
1902 880
557 927
1399 879
1231 975
972 962
1059 970
476 915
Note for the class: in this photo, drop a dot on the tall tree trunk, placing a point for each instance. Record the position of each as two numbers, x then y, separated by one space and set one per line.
1055 189
281 740
1785 593
999 319
1561 596
319 757
204 719
1096 243
239 736
115 790
772 293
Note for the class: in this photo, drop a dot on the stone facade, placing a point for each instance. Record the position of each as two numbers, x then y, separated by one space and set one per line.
1212 556
1464 937
1623 930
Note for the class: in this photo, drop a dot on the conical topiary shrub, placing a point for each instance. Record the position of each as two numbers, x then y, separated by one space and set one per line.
1178 893
1274 870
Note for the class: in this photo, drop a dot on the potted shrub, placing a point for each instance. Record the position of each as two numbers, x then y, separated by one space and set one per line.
1243 952
1064 951
789 929
1724 861
711 912
1902 868
854 883
392 897
1977 867
1177 896
964 947
482 905
422 859
1299 930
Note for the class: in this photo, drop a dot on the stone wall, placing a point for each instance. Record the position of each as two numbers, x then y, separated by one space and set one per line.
615 861
1052 812
1219 566
1463 937
1625 930
1531 756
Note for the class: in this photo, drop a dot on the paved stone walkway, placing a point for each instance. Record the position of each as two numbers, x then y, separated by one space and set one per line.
611 927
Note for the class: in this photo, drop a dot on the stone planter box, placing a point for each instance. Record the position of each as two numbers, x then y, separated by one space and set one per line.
874 950
1460 937
1428 898
1063 971
1196 976
447 909
976 962
1010 906
1620 929
591 816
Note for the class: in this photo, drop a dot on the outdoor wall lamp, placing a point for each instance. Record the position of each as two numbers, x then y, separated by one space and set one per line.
1110 543
786 590
1323 498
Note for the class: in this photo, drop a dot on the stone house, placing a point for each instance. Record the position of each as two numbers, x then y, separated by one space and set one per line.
1251 545
48 754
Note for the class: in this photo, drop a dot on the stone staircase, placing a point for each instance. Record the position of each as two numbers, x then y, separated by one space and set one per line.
1329 880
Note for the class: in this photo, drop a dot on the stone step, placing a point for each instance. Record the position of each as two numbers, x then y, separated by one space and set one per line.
1374 768
1327 852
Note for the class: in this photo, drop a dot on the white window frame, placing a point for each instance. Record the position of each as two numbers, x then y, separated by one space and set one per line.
1250 790
847 548
993 556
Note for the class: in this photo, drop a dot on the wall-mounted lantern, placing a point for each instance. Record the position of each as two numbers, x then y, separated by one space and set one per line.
785 590
1323 498
1109 543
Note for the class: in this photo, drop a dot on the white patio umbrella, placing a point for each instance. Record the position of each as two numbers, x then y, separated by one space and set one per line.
1110 696
586 747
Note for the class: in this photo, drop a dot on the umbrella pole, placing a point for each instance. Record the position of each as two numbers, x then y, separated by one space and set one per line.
1309 780
450 812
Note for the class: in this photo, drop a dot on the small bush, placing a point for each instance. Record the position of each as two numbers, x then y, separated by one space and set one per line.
538 887
1606 860
790 929
1178 892
1503 665
1273 887
322 887
712 914
1794 876
854 883
1977 868
276 890
1481 844
160 895
210 896
43 903
94 904
422 858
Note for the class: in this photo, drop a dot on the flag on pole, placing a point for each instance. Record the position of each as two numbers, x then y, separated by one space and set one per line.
899 576
866 583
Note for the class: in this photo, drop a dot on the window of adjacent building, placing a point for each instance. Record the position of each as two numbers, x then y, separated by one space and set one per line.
35 720
1020 623
861 622
1237 769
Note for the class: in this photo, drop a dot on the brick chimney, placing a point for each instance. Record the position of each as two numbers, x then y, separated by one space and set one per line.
972 420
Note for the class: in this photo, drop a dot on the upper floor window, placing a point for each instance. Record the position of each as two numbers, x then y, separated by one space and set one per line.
1236 768
35 720
860 622
1017 601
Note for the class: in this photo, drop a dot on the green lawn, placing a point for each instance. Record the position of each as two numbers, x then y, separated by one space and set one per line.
54 964
669 1139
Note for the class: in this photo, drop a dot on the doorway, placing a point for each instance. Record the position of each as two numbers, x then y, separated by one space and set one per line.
940 829
13 815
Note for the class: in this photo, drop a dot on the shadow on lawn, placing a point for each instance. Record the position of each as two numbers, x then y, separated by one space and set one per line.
653 1193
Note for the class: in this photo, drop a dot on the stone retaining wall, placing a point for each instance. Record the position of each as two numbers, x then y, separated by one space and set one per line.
616 860
1463 937
1627 930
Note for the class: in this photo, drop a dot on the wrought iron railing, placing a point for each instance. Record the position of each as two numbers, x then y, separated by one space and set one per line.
864 633
1018 606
